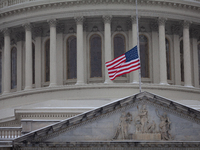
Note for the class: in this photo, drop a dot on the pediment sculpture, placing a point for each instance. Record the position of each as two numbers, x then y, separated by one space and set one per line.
145 128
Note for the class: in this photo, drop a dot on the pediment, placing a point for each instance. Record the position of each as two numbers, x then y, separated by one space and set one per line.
141 117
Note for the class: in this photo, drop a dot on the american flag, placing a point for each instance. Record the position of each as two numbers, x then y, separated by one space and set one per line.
123 64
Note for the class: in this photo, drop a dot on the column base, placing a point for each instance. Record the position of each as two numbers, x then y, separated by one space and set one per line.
108 82
52 85
80 83
28 88
161 83
135 82
190 86
5 92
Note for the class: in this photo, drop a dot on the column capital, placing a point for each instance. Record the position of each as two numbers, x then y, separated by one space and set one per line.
6 31
52 22
107 18
79 19
27 26
161 21
154 26
186 24
133 19
175 29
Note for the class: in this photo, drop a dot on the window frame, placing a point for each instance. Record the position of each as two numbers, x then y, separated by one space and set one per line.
67 81
95 79
148 79
127 77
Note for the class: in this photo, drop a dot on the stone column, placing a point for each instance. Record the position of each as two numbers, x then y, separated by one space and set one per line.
187 55
59 48
28 57
80 53
134 43
19 37
162 50
53 71
195 64
38 57
155 52
7 62
176 49
108 52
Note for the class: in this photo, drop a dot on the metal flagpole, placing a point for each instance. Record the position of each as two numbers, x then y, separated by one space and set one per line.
138 45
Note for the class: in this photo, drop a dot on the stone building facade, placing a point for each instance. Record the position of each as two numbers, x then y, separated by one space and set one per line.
53 54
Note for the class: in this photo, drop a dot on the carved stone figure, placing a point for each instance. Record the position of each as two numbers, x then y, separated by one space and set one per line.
164 126
123 125
151 127
141 119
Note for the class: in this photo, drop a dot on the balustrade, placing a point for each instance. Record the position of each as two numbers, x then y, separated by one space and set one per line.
10 132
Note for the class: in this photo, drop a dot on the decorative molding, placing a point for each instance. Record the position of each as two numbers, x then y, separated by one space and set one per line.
119 28
194 33
154 26
20 36
176 29
186 24
6 32
79 20
37 31
71 30
60 28
95 29
133 19
52 22
27 26
107 19
161 21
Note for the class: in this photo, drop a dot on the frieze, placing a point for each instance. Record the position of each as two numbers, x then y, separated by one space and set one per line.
92 2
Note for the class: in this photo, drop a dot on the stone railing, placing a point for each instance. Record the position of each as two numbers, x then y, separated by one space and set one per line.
10 132
6 3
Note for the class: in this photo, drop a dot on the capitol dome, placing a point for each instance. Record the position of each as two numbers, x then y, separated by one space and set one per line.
53 54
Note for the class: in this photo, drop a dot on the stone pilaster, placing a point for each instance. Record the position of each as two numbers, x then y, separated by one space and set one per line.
176 43
134 43
162 50
38 59
187 54
7 62
80 53
28 57
108 52
53 72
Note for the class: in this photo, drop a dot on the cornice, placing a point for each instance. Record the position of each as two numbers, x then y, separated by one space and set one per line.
37 6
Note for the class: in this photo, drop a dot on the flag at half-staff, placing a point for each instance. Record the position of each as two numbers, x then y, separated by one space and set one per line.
123 64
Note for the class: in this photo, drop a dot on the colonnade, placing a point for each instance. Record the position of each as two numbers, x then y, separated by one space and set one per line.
80 53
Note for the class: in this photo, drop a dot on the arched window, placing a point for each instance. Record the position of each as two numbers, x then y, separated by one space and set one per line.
119 46
144 56
168 62
0 72
95 56
47 60
71 58
199 60
182 61
33 62
13 68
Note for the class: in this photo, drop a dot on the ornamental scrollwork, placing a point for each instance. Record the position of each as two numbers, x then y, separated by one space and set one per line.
27 26
79 19
107 18
52 22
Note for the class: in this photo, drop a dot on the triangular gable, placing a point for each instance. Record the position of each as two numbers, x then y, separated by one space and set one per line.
141 117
